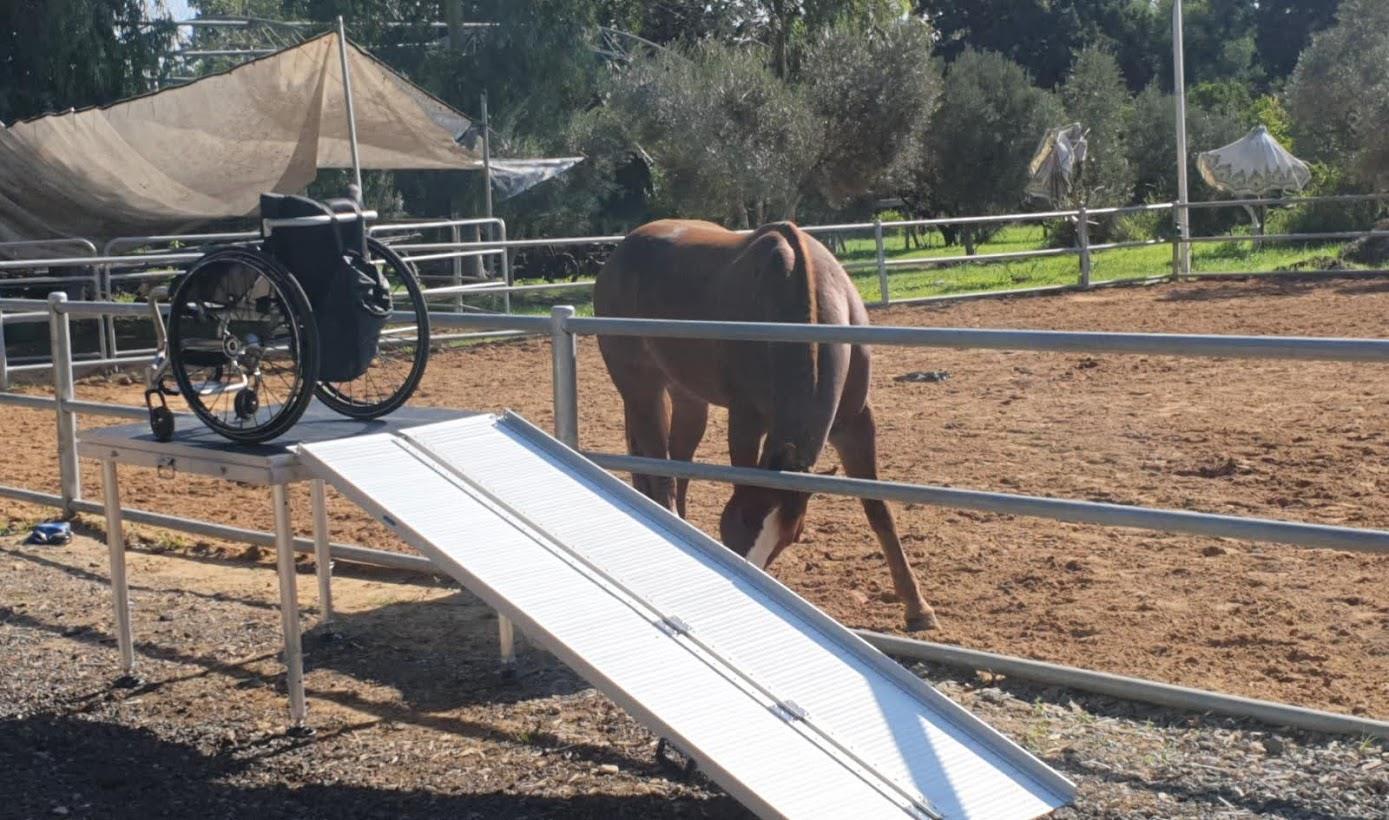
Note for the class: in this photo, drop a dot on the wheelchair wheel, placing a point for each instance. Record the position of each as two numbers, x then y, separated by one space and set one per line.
401 354
243 345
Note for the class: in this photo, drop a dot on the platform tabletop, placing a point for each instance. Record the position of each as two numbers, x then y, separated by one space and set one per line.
197 449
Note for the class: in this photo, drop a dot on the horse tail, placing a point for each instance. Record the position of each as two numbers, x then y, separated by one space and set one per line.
795 364
798 292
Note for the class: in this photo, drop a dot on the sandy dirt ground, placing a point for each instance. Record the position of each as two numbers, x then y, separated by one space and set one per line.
1290 440
412 720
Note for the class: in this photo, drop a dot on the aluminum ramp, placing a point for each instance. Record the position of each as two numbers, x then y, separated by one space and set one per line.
784 708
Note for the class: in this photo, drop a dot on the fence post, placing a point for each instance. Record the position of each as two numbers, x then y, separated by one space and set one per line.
4 358
1177 244
500 228
564 349
456 236
1083 240
885 296
60 349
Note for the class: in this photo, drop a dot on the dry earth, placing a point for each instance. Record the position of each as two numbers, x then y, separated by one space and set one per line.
412 720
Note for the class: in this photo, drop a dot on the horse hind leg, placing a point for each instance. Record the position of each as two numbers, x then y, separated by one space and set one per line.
688 418
856 442
647 416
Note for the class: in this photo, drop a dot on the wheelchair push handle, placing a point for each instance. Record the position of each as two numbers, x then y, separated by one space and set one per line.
317 219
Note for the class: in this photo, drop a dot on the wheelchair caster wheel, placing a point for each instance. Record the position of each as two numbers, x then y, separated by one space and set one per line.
162 423
246 404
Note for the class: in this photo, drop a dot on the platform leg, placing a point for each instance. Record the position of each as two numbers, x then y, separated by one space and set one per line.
323 561
289 610
120 589
506 640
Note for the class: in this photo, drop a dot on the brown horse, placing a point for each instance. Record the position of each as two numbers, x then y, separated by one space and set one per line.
785 400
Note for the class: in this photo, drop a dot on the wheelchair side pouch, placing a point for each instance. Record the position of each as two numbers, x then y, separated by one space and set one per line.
353 311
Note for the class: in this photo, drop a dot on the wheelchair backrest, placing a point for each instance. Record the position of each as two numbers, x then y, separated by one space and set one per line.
313 253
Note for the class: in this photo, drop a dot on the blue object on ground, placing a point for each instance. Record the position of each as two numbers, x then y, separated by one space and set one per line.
51 532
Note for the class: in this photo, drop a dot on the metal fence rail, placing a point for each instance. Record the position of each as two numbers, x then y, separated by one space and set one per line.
1321 536
564 328
1044 341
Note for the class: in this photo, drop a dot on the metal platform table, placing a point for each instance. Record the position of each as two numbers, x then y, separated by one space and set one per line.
196 450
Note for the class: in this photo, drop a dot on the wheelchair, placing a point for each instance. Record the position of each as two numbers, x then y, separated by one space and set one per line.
315 308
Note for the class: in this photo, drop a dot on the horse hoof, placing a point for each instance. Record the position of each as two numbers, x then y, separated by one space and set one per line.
922 623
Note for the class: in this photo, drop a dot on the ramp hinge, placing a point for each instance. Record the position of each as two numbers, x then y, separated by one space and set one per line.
673 626
789 711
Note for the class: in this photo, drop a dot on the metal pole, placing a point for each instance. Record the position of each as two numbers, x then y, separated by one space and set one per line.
1083 239
289 610
885 297
60 348
564 348
506 644
500 228
456 235
1126 688
351 113
486 160
120 588
4 358
1182 264
322 551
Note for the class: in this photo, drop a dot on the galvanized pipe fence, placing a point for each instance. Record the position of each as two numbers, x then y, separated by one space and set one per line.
564 328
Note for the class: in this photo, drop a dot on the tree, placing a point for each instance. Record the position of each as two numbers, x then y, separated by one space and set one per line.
1152 147
982 135
61 54
870 91
1337 93
728 137
1283 28
1096 97
1044 35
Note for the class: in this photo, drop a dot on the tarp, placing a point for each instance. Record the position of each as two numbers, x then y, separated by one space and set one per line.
1056 162
189 154
511 177
1253 165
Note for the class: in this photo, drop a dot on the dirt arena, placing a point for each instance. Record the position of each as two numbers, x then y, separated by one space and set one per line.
1303 441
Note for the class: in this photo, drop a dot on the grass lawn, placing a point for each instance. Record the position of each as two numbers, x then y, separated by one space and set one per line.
908 282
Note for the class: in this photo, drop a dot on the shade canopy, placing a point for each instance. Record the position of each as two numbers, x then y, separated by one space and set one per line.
206 150
1254 165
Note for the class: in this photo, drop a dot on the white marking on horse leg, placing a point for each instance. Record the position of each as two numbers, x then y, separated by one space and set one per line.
766 540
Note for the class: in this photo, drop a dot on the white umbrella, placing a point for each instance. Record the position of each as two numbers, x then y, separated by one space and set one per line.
1254 165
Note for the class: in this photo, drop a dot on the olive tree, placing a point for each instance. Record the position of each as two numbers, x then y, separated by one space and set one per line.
982 135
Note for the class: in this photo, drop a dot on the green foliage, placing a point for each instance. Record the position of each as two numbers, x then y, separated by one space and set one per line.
728 136
1043 35
1328 180
61 54
983 134
1095 96
1339 94
870 92
1153 142
1269 111
1283 28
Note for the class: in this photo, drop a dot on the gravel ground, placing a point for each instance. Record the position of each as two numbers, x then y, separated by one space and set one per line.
412 721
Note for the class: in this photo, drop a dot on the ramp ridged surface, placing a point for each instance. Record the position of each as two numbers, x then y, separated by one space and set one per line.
780 705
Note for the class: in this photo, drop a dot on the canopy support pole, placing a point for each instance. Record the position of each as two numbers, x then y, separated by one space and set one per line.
351 113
